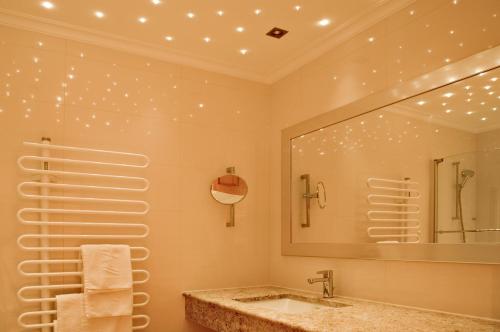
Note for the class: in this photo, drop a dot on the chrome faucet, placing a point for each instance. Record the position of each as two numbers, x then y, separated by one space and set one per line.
327 282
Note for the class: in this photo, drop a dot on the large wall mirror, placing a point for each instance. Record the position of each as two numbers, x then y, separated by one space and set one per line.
411 173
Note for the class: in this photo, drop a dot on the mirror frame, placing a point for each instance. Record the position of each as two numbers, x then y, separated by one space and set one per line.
442 252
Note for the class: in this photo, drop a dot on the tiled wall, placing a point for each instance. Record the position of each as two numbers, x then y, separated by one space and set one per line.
192 124
418 39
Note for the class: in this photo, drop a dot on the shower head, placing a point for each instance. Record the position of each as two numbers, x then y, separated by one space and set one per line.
466 175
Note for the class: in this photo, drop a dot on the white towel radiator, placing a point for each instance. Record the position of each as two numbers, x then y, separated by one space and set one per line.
59 235
395 203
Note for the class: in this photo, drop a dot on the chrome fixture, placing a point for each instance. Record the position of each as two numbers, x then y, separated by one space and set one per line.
434 228
308 196
461 179
229 189
327 280
466 175
476 230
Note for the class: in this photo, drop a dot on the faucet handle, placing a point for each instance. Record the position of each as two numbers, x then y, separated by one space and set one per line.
326 273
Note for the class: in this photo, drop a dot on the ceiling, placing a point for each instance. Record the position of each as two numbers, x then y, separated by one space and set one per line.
472 104
165 29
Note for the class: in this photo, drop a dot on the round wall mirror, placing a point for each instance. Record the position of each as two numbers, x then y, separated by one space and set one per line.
229 189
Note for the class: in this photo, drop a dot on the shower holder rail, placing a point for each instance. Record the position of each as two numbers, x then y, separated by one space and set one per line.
72 267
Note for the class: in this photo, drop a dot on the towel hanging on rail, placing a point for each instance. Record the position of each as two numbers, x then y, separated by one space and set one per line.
107 280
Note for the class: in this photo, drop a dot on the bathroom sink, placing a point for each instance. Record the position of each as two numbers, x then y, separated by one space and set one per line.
290 304
287 306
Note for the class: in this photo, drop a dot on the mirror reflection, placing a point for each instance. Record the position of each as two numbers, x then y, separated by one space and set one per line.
422 170
229 189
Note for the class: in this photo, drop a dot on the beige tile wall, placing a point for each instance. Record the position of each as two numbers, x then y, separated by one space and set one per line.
153 107
121 102
412 42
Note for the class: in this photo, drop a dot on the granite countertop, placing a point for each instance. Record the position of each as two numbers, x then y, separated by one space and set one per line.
358 315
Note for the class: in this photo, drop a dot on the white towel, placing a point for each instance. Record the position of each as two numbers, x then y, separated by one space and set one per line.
107 275
71 317
70 313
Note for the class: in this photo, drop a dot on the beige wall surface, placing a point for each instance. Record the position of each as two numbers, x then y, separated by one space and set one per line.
422 37
192 124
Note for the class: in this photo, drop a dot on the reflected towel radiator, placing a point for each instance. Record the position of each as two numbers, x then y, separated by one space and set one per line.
394 208
51 280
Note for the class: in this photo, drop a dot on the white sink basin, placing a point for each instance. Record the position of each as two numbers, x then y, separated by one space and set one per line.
287 306
290 304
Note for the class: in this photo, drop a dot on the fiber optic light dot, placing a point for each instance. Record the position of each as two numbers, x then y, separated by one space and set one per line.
142 19
323 22
47 5
99 14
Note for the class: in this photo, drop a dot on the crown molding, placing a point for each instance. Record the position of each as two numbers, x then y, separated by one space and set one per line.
414 113
370 16
59 29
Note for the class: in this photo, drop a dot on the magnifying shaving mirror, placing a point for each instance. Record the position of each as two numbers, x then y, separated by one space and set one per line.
229 189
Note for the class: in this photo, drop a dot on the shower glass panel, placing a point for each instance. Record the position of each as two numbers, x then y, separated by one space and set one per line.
468 195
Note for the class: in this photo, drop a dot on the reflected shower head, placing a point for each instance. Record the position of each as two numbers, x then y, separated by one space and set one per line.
466 175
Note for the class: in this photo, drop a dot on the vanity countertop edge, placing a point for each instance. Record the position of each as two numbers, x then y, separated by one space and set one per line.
217 309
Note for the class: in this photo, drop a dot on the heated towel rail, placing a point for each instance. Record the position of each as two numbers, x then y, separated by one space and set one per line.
394 209
56 237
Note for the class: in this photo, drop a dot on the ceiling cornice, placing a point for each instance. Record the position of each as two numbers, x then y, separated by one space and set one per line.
84 35
436 119
371 16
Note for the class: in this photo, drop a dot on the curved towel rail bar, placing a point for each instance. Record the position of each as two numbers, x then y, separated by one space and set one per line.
80 149
405 182
75 186
372 197
85 175
77 161
54 312
144 250
75 211
138 295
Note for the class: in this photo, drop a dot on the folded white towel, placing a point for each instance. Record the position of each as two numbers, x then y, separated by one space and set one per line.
70 313
109 324
71 317
107 280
